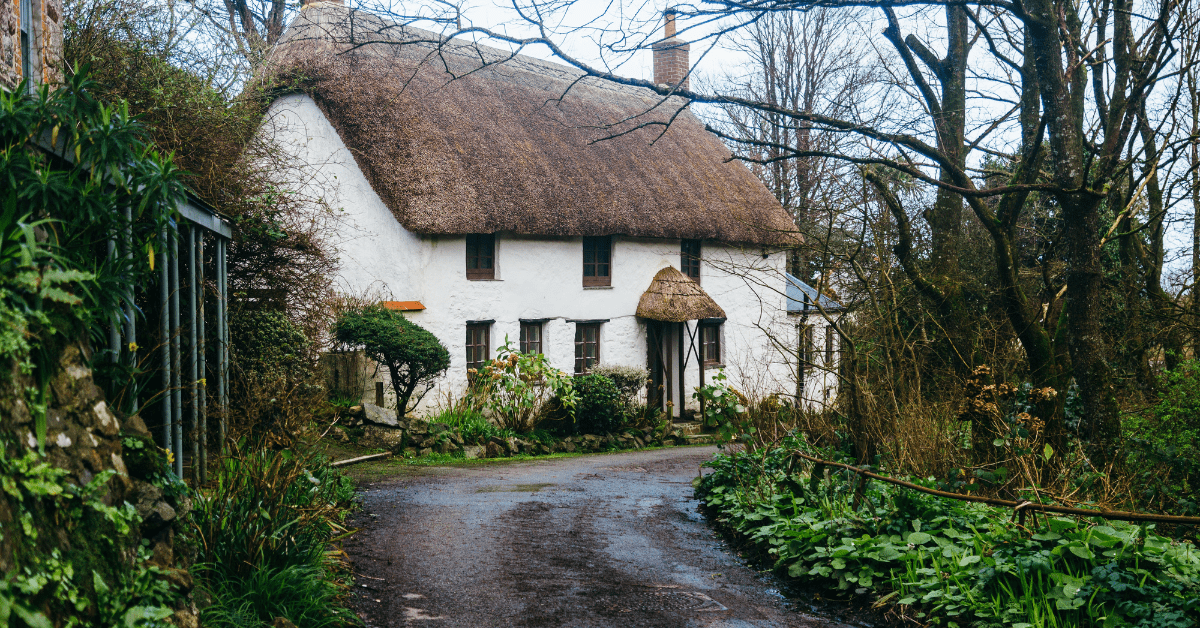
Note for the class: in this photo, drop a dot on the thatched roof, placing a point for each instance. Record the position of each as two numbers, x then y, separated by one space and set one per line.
455 142
674 298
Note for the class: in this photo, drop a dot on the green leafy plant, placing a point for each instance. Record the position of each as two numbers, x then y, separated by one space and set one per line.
267 345
470 424
414 358
601 408
723 409
516 385
264 529
64 582
948 562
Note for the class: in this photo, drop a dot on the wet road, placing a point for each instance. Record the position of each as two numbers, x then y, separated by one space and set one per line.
607 540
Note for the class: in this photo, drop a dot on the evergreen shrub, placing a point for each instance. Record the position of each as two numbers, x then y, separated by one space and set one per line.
268 345
601 407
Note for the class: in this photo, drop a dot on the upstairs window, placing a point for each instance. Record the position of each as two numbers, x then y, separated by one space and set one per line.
689 259
587 346
477 345
531 337
830 346
597 261
710 344
481 256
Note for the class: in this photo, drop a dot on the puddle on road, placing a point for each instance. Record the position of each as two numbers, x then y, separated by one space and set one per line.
514 488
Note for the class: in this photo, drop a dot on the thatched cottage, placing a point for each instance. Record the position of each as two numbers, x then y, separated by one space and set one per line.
498 197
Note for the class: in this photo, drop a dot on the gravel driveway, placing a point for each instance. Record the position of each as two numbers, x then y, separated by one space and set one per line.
601 540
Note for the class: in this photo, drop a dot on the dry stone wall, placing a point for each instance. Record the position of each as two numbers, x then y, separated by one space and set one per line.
86 438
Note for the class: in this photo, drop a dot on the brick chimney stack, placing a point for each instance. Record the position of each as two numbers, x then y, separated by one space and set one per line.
671 62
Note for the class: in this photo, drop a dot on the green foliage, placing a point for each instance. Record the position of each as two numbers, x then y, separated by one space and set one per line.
470 424
264 530
413 356
106 185
297 592
723 409
91 581
1162 446
601 408
268 345
515 385
951 562
630 380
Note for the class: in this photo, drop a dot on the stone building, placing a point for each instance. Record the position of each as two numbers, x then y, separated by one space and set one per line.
30 41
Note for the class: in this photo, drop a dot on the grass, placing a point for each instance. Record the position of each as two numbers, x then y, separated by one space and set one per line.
947 562
265 531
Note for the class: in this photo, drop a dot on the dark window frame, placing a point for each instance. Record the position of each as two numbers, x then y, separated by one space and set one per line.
829 345
479 351
595 248
525 342
583 361
710 338
481 251
27 32
689 259
806 348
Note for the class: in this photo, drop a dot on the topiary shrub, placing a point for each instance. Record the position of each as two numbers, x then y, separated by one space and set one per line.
414 357
600 408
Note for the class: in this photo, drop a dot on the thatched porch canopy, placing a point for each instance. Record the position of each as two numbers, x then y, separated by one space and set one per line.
674 298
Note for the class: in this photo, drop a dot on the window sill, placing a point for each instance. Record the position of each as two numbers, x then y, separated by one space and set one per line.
469 279
714 365
597 287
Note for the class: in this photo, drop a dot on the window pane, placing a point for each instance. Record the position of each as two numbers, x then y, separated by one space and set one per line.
587 346
531 338
481 255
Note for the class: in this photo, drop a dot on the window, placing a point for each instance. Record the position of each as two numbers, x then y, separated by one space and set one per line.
477 345
531 337
27 43
806 344
689 259
710 344
587 346
597 261
829 345
481 256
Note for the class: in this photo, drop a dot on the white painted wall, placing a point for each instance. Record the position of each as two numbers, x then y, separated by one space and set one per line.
536 277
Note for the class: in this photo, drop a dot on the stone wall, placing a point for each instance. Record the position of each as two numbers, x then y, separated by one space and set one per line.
47 44
85 437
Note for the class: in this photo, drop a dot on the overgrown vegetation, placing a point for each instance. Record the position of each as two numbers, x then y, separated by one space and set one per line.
948 562
100 576
265 529
72 553
515 386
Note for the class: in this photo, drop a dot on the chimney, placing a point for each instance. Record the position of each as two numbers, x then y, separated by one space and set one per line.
671 63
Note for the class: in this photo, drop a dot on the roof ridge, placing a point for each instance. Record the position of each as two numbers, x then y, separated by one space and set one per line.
458 47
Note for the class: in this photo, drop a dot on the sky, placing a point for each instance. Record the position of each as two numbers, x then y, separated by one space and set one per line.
589 26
